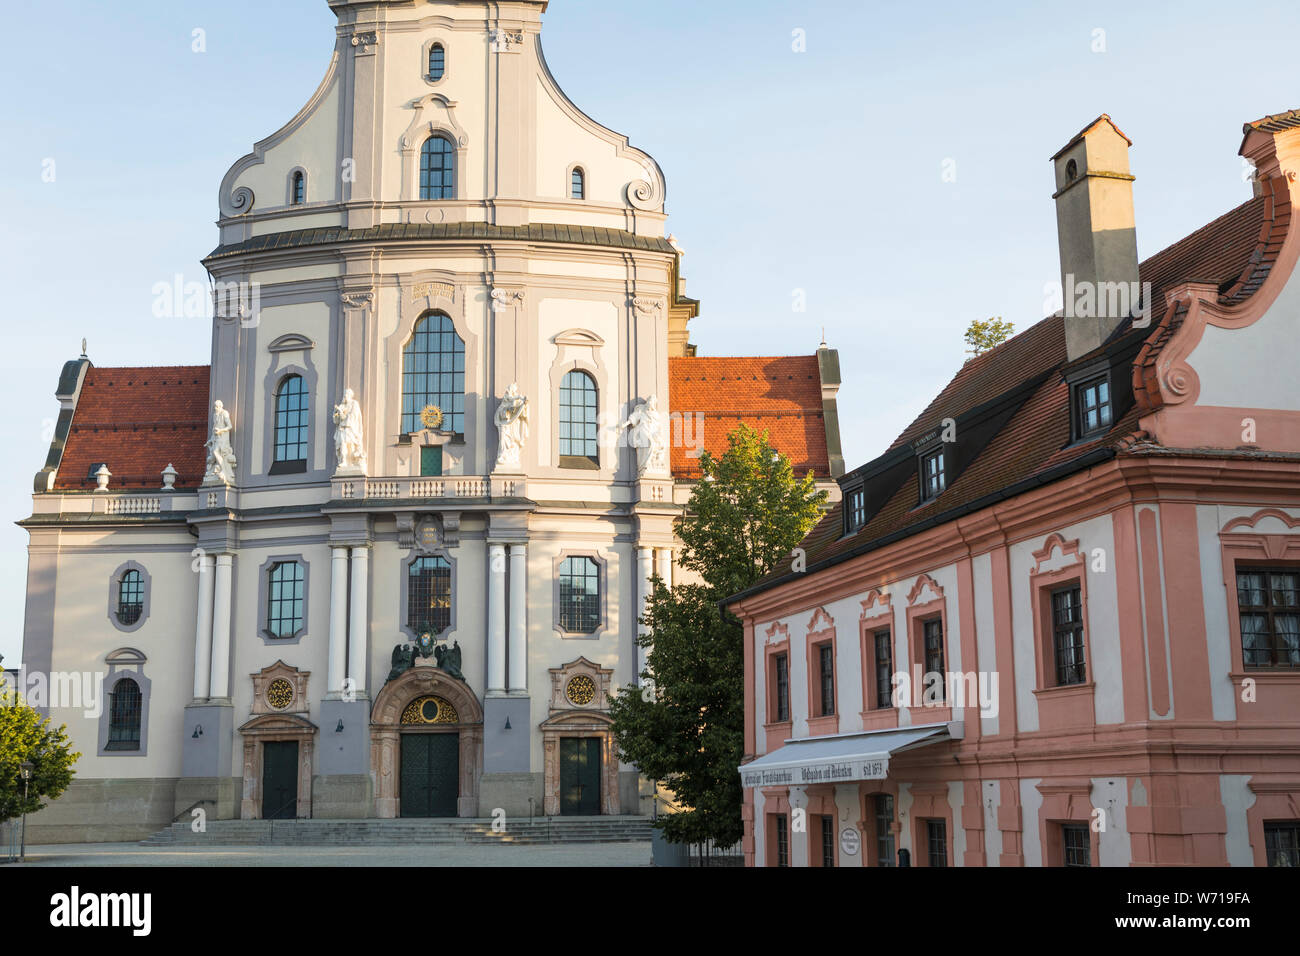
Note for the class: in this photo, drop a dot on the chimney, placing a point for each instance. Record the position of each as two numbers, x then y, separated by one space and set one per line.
1097 235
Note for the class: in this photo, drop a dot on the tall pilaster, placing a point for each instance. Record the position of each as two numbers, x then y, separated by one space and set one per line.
338 620
219 684
644 569
798 826
359 621
203 628
518 619
496 618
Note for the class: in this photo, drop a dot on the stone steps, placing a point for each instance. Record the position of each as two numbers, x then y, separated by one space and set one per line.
404 831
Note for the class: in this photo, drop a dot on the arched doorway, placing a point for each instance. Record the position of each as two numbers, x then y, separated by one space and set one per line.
426 728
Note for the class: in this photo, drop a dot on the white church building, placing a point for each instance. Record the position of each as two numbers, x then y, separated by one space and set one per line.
384 556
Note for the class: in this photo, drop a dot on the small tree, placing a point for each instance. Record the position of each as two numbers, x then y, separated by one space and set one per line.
982 335
27 735
687 729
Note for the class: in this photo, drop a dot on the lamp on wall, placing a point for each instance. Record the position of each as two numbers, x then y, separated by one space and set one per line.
339 728
198 731
507 722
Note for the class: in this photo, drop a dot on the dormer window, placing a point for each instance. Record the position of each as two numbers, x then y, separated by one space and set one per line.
934 477
855 510
1092 407
437 62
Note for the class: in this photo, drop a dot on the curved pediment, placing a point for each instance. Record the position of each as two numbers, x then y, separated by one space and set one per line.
579 337
291 342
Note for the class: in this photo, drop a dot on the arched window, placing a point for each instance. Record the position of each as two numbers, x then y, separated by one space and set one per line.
437 62
284 605
437 169
130 597
299 192
580 595
578 185
578 419
124 706
429 595
433 374
291 420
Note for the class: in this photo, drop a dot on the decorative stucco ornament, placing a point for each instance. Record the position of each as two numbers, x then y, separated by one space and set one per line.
646 434
512 429
221 454
431 416
349 438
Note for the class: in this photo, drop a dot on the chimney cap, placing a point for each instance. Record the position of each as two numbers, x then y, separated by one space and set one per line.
1103 118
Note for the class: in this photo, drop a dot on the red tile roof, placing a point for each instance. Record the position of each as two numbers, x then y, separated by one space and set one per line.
137 421
779 395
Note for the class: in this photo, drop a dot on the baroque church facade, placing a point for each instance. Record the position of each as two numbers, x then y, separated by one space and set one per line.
385 555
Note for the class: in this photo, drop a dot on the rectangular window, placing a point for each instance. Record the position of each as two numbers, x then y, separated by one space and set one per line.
1268 602
933 475
828 840
826 678
855 511
285 599
884 648
1067 636
782 840
936 842
1092 409
932 635
884 829
781 682
1282 843
431 461
1076 845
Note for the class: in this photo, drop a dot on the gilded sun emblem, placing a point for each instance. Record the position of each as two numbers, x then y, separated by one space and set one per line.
431 416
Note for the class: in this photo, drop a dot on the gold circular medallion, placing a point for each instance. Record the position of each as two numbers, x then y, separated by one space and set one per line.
279 694
431 416
581 690
430 710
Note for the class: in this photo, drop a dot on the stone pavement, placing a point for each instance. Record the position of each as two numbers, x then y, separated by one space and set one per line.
133 854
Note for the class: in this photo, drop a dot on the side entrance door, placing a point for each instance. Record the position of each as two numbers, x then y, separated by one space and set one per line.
430 775
580 776
279 780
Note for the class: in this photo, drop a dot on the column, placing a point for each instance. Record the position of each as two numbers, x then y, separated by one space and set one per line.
359 622
496 618
664 565
338 620
203 628
518 618
219 686
799 826
644 568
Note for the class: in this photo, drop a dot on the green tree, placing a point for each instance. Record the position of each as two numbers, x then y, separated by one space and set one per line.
27 735
984 334
745 516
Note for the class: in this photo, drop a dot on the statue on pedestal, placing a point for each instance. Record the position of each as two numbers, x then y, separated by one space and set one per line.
349 441
221 454
646 434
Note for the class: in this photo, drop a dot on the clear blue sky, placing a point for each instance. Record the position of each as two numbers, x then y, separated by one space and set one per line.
818 171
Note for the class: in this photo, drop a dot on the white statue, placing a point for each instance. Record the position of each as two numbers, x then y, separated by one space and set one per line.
349 441
646 435
221 455
512 428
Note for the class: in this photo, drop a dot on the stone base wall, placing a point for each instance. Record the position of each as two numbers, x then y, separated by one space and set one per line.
105 811
342 797
510 792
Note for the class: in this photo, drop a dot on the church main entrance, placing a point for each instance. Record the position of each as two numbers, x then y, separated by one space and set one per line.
430 768
280 780
580 776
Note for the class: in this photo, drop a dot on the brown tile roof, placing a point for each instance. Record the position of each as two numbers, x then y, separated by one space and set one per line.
1275 123
780 395
1234 252
138 420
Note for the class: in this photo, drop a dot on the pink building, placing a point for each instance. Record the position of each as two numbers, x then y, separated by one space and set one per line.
1091 538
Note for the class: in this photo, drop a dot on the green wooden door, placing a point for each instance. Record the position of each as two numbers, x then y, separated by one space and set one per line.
280 780
580 776
430 775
